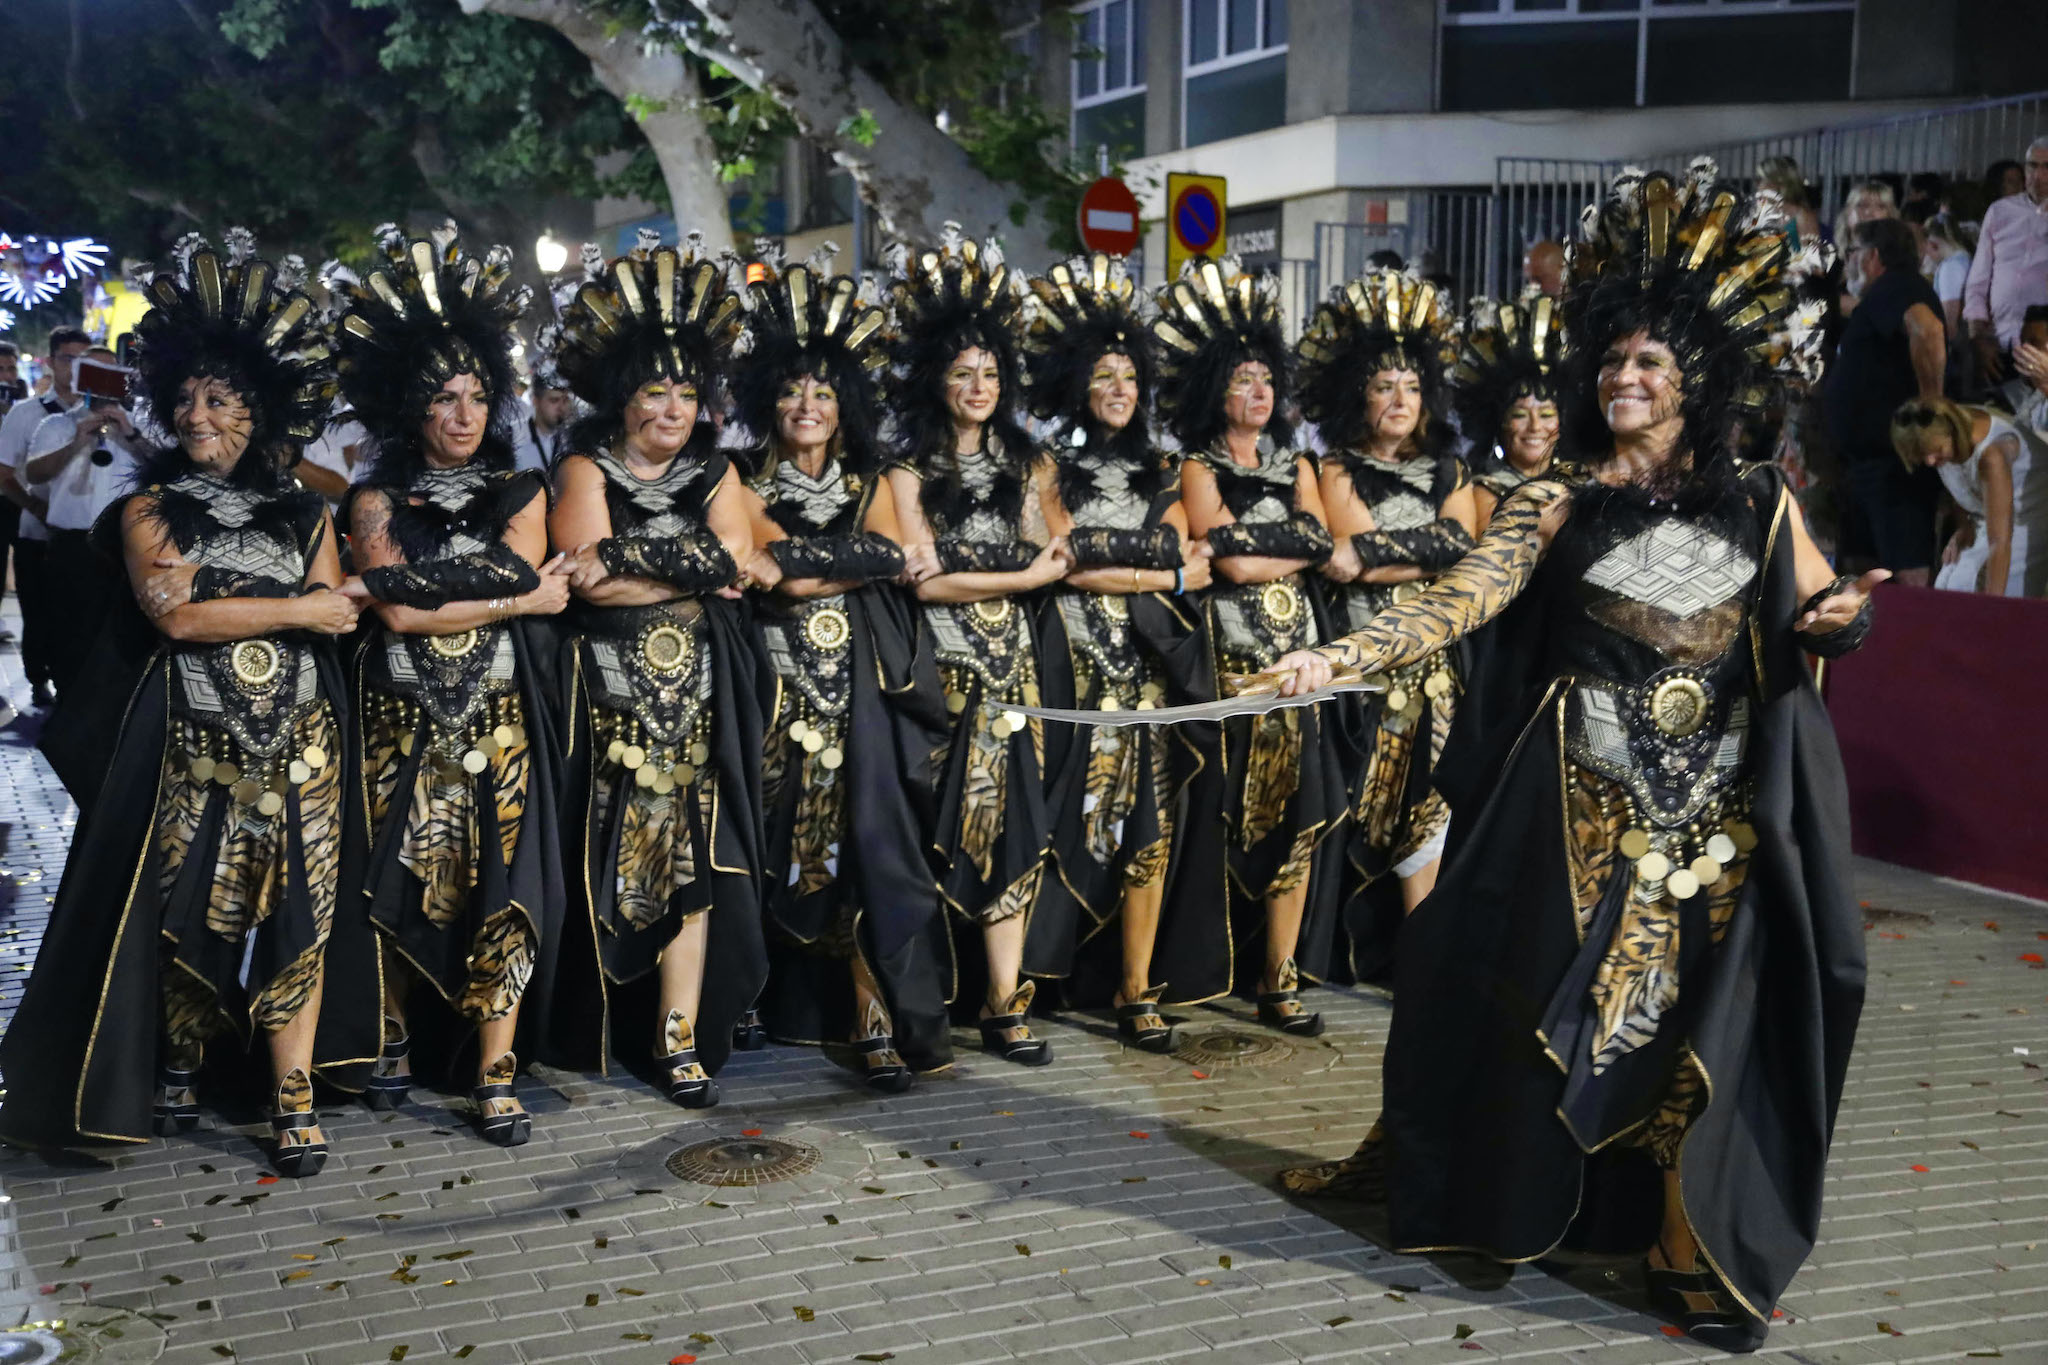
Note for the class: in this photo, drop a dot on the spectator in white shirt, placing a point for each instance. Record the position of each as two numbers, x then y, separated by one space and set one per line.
80 460
540 439
328 463
31 548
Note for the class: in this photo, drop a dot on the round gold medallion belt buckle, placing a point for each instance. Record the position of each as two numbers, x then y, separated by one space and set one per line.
666 649
256 662
1678 707
1114 606
1280 602
456 646
827 629
993 612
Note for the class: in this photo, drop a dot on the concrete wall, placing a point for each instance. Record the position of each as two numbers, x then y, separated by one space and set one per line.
1345 57
1162 75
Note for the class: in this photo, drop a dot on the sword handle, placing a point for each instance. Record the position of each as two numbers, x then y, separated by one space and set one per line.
1268 684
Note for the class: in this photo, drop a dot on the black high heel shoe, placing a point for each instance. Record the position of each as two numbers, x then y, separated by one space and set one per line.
1697 1301
749 1035
1026 1050
176 1108
1274 1011
504 1128
1142 1026
294 1115
886 1069
688 1083
389 1087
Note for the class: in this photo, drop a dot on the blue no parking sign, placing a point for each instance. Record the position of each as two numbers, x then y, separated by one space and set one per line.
1195 217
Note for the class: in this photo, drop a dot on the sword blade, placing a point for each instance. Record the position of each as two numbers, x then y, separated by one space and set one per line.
1220 709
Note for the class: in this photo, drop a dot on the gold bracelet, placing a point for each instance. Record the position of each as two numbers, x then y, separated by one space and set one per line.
1134 581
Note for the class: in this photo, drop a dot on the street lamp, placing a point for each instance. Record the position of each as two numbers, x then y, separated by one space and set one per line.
550 255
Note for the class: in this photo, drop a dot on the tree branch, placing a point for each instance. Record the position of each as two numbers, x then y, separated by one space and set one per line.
660 90
913 173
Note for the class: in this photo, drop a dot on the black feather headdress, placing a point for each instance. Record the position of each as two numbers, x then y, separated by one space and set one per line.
1708 269
1390 320
946 299
1078 312
657 312
1212 319
1507 352
803 322
430 312
233 316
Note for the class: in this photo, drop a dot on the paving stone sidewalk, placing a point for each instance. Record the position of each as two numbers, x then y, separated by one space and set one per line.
1112 1209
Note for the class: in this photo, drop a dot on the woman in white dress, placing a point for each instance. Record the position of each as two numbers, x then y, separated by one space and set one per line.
2000 485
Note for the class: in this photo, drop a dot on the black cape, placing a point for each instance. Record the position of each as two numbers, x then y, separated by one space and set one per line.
1478 1156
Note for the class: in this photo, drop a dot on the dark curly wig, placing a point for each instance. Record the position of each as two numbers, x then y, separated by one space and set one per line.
430 313
1214 318
1708 270
657 312
953 298
1386 321
1507 352
243 321
803 324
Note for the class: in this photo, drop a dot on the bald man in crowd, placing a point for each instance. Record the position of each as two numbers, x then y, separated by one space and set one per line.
1543 266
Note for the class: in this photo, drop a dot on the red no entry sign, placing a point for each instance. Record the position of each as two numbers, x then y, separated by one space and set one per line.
1108 218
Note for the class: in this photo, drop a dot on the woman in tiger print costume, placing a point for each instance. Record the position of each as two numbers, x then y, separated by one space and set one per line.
220 821
1642 967
969 488
1117 633
664 780
1225 385
1401 512
853 906
464 877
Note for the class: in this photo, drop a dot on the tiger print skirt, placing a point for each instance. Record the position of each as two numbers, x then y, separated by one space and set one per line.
241 858
459 802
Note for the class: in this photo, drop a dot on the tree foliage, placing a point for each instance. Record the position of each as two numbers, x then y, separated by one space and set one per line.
307 120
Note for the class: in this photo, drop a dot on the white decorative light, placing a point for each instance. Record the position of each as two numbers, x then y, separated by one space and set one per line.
549 254
33 270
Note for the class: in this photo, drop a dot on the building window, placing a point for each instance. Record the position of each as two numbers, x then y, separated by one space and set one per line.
1234 68
1109 77
1606 54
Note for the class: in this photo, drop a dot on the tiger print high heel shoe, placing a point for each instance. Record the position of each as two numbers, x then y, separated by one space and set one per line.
495 1122
686 1081
297 1153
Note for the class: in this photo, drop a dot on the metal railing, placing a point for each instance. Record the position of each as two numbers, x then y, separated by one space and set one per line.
1541 197
1447 233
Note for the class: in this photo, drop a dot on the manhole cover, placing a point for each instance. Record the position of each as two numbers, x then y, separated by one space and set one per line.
29 1346
742 1161
1227 1048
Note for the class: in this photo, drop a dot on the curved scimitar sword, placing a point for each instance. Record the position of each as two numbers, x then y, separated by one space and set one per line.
1252 694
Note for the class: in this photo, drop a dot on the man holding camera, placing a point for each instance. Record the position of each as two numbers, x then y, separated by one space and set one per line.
32 547
80 460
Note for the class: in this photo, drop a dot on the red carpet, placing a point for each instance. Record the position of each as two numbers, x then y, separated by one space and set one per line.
1943 721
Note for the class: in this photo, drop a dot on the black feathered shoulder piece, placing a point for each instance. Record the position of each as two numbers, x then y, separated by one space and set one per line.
229 314
1389 320
428 312
954 297
801 320
1506 352
1708 269
1212 319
